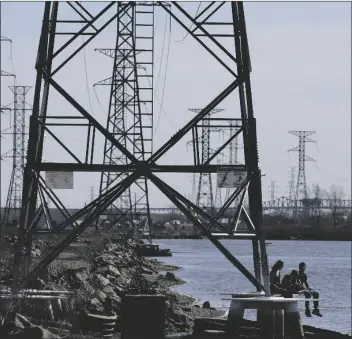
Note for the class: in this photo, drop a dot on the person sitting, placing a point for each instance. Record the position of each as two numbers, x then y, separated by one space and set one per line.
291 283
308 292
275 279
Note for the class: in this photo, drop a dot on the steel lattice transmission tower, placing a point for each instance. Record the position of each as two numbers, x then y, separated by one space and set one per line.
130 117
14 195
205 197
2 110
272 190
301 184
232 54
291 185
218 195
233 156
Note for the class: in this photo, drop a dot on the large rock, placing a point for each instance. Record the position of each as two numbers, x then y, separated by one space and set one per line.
113 270
102 280
101 296
206 304
108 290
171 276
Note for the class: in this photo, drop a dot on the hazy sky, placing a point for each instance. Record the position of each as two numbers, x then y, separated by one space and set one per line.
301 80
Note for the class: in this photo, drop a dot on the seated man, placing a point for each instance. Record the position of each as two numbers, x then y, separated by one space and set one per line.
291 283
275 281
308 292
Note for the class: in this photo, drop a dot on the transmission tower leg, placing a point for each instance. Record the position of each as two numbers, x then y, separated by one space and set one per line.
250 146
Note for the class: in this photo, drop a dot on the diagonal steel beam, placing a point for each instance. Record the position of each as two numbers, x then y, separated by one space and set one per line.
231 199
89 23
119 189
224 145
183 131
229 256
199 26
95 123
184 200
197 38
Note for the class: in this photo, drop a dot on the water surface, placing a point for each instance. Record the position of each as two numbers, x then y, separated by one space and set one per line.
209 273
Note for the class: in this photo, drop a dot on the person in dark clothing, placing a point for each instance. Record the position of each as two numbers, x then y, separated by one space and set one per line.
291 283
308 292
275 279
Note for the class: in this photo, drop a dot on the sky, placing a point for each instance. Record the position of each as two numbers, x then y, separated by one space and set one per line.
301 80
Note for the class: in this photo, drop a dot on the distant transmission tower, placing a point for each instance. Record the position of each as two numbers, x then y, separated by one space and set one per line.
301 185
14 196
194 188
272 190
218 196
233 158
291 185
205 198
2 110
130 117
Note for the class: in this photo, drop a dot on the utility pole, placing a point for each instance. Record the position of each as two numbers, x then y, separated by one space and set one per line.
301 185
14 196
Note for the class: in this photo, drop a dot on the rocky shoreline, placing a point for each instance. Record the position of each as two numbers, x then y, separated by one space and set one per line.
105 278
111 272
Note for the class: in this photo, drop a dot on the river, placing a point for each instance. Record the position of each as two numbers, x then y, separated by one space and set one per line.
208 273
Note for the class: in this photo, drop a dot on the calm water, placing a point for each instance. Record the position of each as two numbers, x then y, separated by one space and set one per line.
209 273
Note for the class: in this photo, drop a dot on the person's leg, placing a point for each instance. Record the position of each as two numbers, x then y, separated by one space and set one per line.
307 296
315 302
316 310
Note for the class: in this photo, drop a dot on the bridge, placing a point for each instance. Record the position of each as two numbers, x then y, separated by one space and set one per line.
282 203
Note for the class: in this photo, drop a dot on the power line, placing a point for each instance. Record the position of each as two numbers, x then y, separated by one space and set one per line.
162 53
200 3
165 75
86 72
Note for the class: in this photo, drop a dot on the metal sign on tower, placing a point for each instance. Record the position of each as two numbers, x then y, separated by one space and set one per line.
231 52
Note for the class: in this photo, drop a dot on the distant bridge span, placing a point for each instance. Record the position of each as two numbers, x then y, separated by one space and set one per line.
281 203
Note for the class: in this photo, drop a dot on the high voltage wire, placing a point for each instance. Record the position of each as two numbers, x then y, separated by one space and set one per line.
165 75
200 3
